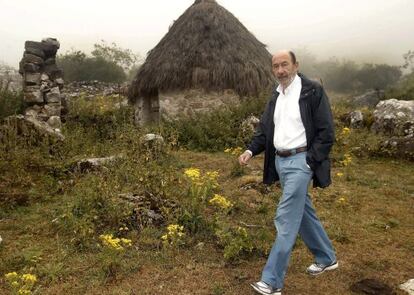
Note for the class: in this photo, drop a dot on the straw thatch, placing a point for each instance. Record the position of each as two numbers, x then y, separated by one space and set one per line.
206 48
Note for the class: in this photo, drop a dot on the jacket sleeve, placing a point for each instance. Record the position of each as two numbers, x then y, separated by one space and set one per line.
258 143
324 131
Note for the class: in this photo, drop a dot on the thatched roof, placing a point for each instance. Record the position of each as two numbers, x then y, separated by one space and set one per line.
208 48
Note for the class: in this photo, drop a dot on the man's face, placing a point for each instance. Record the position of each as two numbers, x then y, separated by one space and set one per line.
283 68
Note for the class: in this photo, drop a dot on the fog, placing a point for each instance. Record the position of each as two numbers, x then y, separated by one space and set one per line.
366 31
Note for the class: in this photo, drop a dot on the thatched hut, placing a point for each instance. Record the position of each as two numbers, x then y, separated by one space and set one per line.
207 58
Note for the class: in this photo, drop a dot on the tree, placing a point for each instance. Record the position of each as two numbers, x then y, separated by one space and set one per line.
124 58
409 60
77 66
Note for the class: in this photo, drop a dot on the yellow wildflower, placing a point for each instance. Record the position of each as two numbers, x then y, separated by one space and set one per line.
24 292
346 131
228 150
11 276
111 242
126 242
29 278
174 236
341 200
14 284
220 202
212 178
339 174
192 173
236 151
347 160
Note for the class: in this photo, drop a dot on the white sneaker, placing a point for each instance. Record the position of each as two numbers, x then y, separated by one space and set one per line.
265 289
316 268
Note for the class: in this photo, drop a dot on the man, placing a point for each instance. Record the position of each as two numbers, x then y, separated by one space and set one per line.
296 132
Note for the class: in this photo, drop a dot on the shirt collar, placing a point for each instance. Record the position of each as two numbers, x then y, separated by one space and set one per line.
295 82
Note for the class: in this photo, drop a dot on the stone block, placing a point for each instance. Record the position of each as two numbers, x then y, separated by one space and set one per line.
50 61
30 68
44 77
34 48
32 78
50 46
53 96
55 122
60 83
31 58
52 109
53 71
33 95
33 111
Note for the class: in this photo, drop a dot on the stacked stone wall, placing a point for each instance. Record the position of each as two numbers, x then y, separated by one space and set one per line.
42 81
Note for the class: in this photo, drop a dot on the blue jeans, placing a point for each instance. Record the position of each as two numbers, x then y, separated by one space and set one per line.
295 214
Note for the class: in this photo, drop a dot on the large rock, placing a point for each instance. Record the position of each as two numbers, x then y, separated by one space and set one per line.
153 143
356 119
399 147
408 287
91 164
394 117
29 127
369 99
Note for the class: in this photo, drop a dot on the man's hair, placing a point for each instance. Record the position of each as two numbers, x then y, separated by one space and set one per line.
292 56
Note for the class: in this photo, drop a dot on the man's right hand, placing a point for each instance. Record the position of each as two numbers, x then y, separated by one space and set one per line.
244 158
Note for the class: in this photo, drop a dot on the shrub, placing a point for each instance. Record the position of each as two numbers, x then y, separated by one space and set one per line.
213 131
77 66
404 90
235 241
11 103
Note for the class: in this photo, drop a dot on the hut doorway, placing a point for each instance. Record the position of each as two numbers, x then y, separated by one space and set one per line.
147 108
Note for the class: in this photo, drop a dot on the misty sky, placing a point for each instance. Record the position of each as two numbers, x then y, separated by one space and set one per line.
368 30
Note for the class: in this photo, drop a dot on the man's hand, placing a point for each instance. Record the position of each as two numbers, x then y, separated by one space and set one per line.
244 158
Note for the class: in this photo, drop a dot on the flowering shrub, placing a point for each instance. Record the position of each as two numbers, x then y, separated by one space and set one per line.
174 236
234 151
201 185
20 284
112 256
117 244
221 202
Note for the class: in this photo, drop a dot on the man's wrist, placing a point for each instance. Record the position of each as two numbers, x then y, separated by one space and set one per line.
249 152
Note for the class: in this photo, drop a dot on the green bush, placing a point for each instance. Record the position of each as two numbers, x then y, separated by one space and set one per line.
77 66
404 90
214 131
11 103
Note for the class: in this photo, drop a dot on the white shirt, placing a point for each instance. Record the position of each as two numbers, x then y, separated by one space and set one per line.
289 130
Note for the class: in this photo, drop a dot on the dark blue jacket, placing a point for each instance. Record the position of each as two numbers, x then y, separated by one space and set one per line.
317 119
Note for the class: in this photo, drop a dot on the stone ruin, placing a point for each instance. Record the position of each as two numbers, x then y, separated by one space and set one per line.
42 82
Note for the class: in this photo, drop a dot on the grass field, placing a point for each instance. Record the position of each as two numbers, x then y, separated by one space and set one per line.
52 216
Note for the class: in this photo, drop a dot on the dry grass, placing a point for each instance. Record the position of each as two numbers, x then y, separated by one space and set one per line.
372 232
